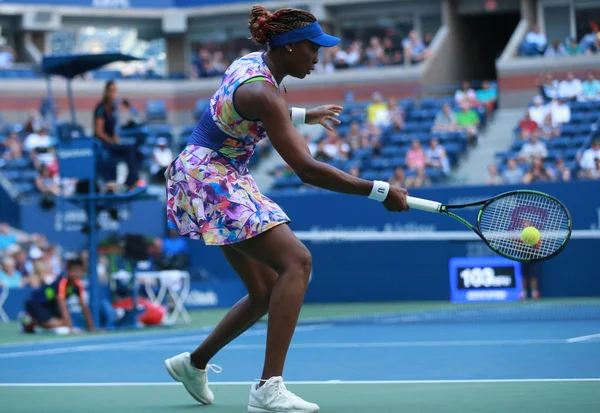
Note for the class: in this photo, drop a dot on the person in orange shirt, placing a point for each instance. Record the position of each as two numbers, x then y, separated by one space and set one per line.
47 305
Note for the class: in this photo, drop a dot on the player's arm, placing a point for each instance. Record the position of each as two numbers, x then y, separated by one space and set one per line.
261 100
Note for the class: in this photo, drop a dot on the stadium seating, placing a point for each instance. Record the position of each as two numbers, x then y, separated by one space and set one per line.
575 137
394 145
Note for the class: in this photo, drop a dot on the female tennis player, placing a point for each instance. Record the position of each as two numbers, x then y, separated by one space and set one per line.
212 197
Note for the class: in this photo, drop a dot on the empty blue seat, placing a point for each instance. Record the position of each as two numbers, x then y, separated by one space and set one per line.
156 110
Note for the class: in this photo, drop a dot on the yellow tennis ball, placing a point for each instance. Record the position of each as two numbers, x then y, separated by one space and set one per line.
530 236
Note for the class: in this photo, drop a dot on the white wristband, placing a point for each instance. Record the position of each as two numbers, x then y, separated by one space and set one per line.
379 191
298 115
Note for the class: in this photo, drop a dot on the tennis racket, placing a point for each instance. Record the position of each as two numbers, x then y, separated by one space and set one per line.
502 218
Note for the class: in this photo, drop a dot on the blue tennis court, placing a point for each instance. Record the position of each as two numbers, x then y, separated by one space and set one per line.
393 365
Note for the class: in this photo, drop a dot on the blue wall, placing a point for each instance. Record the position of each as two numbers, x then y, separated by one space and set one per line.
63 224
374 271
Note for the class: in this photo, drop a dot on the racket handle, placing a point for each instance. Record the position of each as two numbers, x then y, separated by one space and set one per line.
423 204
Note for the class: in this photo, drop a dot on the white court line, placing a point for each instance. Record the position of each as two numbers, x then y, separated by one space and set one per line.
111 335
133 344
385 344
583 338
326 382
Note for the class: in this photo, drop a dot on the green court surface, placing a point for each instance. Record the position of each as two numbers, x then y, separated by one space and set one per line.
498 397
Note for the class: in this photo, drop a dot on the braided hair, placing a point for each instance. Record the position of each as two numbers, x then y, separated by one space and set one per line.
263 24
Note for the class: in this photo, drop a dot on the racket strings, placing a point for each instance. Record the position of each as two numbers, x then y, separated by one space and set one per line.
503 220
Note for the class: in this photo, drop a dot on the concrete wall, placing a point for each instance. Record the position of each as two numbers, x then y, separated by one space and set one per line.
19 97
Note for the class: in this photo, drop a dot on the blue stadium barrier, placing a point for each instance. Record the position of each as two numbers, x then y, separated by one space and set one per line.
414 270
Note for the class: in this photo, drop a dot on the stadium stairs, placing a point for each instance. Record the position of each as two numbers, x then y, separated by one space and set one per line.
497 137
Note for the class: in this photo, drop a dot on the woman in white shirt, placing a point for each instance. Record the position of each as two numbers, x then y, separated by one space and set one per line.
161 159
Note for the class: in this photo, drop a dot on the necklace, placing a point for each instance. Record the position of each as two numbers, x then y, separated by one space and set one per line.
272 68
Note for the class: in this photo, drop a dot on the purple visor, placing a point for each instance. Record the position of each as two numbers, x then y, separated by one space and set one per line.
312 32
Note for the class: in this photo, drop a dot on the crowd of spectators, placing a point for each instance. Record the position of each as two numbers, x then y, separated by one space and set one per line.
387 115
542 123
211 60
536 44
27 259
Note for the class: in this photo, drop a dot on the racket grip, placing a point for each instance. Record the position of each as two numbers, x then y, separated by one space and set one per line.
423 204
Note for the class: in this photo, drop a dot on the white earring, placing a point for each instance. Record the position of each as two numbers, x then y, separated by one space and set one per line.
290 49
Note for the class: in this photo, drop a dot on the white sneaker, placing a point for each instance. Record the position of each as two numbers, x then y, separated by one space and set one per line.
274 397
195 380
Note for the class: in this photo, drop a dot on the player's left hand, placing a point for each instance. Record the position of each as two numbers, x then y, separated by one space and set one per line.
323 114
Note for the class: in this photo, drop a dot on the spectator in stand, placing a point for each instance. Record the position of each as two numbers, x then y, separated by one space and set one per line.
466 94
321 154
427 39
374 53
548 87
590 43
354 135
560 111
392 55
47 184
219 63
527 126
398 178
377 110
494 177
335 147
39 139
13 148
9 276
590 89
349 57
161 159
512 175
587 161
538 111
415 157
395 113
468 120
560 173
537 172
340 57
535 42
414 49
354 171
555 50
355 53
8 239
7 54
20 256
445 120
573 48
436 156
487 96
548 130
570 88
534 149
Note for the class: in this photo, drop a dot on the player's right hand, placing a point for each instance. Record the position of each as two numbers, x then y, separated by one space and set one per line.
396 199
